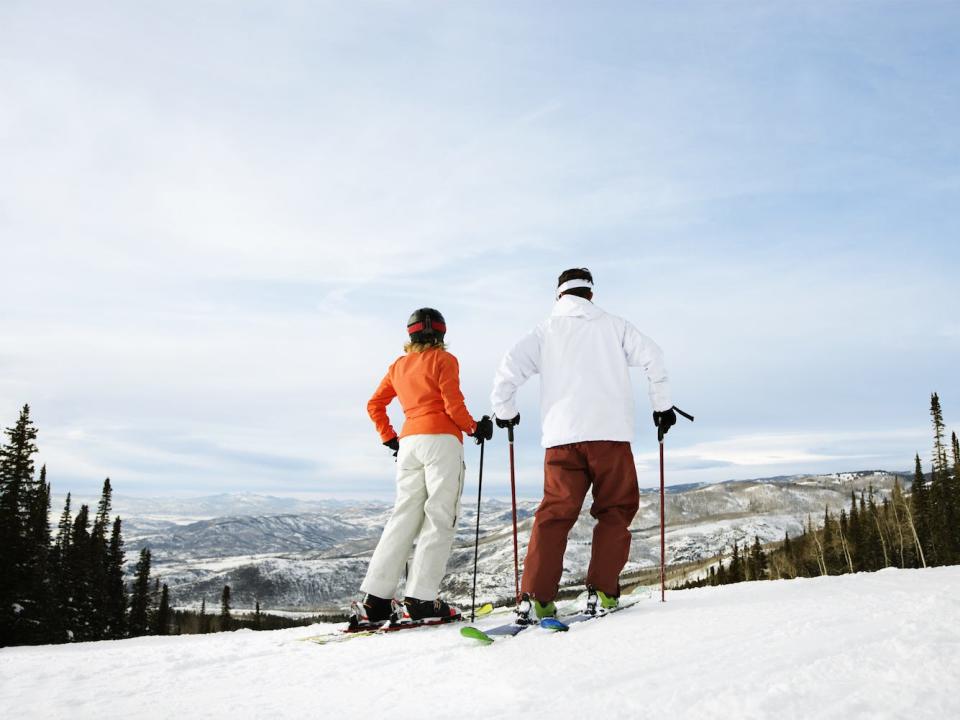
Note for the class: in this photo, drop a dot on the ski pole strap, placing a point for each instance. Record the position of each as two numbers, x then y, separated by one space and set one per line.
688 416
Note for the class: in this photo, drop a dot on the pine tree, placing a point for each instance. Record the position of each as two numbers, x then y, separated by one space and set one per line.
939 458
18 610
140 600
257 617
116 593
226 620
788 553
163 613
941 509
899 519
831 555
843 528
204 622
80 600
758 560
100 565
955 496
855 535
39 603
60 572
736 573
920 512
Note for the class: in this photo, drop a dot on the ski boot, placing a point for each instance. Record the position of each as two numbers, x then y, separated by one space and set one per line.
599 603
428 611
523 611
548 610
370 614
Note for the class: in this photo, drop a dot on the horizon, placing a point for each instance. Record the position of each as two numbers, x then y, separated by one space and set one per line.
216 221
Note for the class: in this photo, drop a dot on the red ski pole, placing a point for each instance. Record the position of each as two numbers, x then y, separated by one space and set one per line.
663 542
513 497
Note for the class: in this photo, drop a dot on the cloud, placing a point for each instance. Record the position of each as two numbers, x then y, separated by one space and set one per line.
214 236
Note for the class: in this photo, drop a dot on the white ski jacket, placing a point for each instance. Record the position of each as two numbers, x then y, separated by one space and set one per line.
583 355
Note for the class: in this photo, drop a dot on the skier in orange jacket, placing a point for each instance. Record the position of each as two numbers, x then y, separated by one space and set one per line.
430 470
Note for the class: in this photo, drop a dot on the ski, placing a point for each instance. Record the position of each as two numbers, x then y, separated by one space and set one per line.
370 631
344 635
553 624
486 637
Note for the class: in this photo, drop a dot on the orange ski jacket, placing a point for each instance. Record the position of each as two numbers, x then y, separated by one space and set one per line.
428 386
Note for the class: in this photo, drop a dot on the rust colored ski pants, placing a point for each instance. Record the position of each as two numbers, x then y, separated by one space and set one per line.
568 472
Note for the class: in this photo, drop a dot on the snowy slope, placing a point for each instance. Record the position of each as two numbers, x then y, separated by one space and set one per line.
882 645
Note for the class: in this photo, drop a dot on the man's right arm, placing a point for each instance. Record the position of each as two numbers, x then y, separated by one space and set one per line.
644 353
517 366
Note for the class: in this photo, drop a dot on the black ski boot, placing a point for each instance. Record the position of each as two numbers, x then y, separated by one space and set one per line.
418 611
371 613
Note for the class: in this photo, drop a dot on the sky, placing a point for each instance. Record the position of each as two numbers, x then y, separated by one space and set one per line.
216 217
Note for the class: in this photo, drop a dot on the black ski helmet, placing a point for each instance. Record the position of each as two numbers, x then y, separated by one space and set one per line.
426 326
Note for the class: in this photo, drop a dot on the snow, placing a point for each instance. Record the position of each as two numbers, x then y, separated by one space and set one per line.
880 645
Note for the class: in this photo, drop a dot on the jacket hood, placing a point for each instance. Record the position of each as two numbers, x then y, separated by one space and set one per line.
573 306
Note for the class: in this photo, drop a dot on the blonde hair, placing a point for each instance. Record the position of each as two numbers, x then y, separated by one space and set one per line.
422 347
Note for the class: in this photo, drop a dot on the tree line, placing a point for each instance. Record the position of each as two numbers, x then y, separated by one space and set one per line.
910 529
69 585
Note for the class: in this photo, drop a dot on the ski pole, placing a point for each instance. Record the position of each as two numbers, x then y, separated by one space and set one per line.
513 497
476 540
663 543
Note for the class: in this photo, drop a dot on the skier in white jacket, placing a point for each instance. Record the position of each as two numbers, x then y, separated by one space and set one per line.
583 356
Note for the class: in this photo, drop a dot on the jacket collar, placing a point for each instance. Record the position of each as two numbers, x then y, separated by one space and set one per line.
573 306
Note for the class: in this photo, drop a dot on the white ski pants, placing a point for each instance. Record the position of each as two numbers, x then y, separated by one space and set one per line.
430 473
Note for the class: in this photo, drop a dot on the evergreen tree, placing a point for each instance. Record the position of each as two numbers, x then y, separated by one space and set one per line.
18 610
869 552
941 510
116 593
38 591
60 572
736 573
204 622
855 535
226 620
257 617
955 497
758 560
140 600
939 458
920 511
100 566
788 553
722 576
163 613
843 528
831 554
900 530
79 610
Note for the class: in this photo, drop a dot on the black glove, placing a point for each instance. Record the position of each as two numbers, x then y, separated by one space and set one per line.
664 420
508 423
484 429
393 444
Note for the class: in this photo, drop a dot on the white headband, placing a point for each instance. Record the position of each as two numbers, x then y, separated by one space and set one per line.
571 284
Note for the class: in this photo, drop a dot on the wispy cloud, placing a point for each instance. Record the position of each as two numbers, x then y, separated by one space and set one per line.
214 236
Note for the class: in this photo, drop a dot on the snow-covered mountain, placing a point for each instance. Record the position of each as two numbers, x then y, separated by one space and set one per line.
315 556
870 645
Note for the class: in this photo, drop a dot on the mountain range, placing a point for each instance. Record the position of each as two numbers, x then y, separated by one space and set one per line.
311 555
